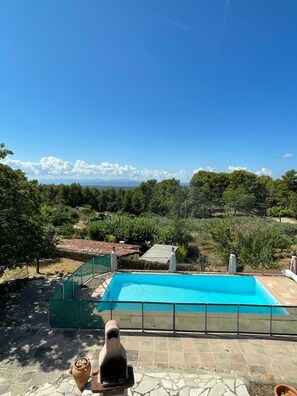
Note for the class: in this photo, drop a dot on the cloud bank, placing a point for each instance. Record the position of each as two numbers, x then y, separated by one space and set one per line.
235 168
52 167
261 172
207 169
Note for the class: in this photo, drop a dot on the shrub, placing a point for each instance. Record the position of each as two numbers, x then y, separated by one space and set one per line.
110 238
256 242
181 254
136 264
279 211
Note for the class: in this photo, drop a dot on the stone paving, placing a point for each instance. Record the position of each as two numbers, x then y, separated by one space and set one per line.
159 384
33 354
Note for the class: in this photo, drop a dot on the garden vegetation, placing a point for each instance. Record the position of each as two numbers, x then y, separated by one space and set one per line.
216 212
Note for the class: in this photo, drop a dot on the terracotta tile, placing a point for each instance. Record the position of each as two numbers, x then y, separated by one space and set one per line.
145 356
176 358
259 348
231 347
203 347
130 344
160 344
188 345
146 345
289 370
237 358
221 358
160 357
218 348
191 358
174 345
273 348
254 359
206 359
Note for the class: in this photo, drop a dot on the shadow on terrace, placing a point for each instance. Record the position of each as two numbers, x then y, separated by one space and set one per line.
26 337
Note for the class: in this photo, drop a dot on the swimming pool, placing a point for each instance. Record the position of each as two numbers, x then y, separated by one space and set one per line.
189 291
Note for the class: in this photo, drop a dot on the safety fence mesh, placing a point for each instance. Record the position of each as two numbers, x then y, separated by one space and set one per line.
65 310
69 311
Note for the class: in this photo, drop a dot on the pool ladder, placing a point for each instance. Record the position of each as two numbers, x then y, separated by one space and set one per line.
104 284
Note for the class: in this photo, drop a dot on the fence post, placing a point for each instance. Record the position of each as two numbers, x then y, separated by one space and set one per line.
174 317
142 317
172 261
79 313
113 261
81 281
93 267
205 324
270 323
237 318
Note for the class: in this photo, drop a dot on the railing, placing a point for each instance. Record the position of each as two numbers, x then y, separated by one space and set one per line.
66 311
96 266
177 317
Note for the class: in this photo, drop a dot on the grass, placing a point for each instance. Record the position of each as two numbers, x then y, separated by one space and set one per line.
47 268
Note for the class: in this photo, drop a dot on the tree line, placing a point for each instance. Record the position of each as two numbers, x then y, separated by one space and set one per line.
208 193
33 215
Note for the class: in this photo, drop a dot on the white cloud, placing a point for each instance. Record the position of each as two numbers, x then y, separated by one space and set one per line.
234 168
55 166
207 169
288 155
264 172
261 172
52 167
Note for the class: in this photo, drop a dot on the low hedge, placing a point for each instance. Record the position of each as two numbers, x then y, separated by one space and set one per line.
125 264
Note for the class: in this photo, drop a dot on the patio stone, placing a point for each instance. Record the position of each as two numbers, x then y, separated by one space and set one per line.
26 376
4 388
146 385
217 390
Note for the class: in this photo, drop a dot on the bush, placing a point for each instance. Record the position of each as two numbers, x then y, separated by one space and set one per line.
256 242
110 238
136 264
181 254
279 211
290 230
97 231
139 231
193 251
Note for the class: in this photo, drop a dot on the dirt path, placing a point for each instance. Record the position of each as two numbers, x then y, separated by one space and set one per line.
285 220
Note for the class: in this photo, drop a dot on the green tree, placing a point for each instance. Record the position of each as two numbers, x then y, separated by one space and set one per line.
3 151
279 205
238 199
43 241
290 180
256 242
164 197
19 216
206 191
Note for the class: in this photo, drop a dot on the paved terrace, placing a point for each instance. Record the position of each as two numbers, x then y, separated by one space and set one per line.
33 354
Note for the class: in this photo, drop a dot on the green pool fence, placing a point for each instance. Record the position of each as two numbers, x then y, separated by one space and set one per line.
69 311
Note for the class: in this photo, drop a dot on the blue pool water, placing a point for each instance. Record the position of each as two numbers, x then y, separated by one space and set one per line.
185 289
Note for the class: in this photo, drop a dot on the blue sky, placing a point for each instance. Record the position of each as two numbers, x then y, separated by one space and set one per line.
141 89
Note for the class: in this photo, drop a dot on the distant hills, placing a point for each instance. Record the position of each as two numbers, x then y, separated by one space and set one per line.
94 182
116 183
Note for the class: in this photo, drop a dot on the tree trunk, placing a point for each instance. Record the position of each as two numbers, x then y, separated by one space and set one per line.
37 266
